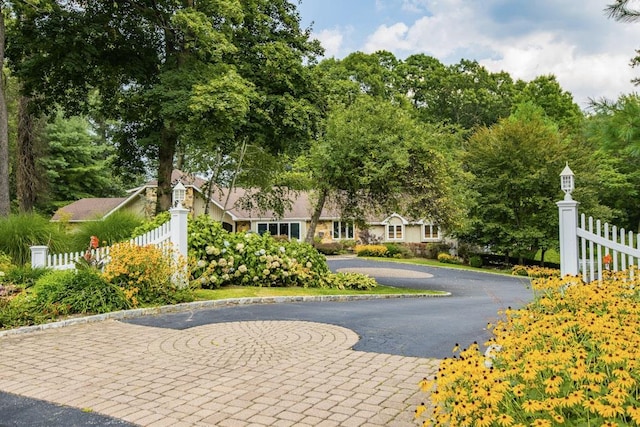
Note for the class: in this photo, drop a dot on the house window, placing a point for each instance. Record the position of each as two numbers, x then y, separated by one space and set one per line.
342 230
431 232
289 229
395 232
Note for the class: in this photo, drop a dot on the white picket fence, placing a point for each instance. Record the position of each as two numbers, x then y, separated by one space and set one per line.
605 247
591 247
172 234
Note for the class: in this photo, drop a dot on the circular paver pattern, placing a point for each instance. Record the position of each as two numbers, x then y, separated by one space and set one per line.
387 272
237 344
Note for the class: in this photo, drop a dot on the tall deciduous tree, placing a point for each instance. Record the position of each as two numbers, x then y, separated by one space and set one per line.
374 156
557 103
177 74
515 164
5 199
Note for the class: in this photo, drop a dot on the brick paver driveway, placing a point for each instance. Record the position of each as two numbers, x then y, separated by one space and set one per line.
262 373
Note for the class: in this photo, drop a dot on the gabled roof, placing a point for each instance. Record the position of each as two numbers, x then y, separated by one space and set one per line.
88 209
301 206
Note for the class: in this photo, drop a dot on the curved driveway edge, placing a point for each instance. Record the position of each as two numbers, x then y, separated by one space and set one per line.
196 305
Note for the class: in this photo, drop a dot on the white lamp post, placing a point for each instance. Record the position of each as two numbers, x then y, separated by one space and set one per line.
179 194
568 221
567 183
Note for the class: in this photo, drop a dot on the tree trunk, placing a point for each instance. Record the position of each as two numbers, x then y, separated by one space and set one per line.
168 141
27 176
5 201
315 218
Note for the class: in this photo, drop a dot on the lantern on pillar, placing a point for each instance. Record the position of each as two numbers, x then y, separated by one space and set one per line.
179 194
567 183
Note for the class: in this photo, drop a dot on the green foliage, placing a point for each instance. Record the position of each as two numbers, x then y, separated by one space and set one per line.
77 291
475 261
22 275
75 166
515 165
19 311
19 232
448 259
220 258
375 155
5 264
115 228
332 248
396 250
147 226
348 281
145 274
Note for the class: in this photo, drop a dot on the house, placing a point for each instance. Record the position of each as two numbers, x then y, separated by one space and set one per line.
224 205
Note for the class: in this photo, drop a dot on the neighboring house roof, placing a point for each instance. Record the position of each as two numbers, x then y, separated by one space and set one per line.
301 206
88 209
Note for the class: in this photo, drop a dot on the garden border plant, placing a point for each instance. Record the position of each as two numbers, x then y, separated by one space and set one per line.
569 358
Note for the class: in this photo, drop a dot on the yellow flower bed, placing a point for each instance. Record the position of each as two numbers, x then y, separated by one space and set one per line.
534 271
371 250
570 358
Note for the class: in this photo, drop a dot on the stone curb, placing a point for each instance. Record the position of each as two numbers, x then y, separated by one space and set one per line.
188 306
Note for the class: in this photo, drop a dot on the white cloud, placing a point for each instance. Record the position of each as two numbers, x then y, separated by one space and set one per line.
586 51
331 40
575 41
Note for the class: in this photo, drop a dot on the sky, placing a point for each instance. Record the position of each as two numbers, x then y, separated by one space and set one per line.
575 40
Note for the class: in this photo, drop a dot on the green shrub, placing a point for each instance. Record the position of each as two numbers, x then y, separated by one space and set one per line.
147 226
49 289
434 249
448 259
349 244
220 258
475 261
22 275
5 263
77 291
396 250
332 248
19 232
372 250
348 281
89 292
19 311
115 228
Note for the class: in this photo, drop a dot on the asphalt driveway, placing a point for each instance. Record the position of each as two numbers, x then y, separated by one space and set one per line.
418 327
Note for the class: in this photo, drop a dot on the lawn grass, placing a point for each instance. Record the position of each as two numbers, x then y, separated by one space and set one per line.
436 263
256 291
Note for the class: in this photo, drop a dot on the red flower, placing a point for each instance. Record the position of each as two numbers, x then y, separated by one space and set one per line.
94 242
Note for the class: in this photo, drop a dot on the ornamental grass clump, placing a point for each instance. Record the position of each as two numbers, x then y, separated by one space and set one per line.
569 358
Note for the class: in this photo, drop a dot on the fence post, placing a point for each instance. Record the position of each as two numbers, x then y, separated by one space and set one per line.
39 256
179 240
569 258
